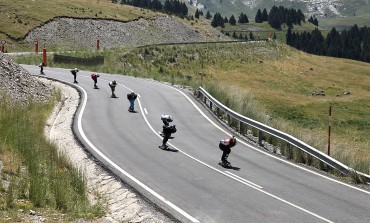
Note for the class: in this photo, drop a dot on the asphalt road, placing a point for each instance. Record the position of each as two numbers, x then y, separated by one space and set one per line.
187 181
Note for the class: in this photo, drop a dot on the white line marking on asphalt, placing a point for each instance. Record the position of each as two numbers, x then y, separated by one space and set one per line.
268 154
192 219
242 179
256 187
235 178
146 112
225 174
256 149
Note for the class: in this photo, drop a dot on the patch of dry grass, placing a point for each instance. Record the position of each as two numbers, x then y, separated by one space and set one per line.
18 17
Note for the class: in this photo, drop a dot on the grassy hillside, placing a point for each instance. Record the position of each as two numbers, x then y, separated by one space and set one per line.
264 30
17 17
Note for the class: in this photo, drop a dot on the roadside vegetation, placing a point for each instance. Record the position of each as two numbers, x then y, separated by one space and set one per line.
35 176
270 82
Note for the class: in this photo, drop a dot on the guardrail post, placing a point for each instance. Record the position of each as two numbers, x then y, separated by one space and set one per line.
218 111
210 105
205 100
260 137
241 127
198 94
228 119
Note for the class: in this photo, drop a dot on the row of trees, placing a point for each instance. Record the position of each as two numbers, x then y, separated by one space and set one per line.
245 37
276 17
352 44
170 6
261 16
219 21
280 15
313 21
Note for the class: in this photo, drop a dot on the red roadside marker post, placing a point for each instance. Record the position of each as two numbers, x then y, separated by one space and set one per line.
2 46
37 47
44 56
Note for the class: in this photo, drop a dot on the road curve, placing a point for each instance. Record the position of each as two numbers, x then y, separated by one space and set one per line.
187 181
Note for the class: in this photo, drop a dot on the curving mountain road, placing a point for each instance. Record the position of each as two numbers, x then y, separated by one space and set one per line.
187 181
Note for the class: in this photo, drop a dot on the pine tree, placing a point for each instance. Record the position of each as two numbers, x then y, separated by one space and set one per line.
333 44
243 18
301 17
289 20
208 15
217 20
196 14
167 7
274 18
259 17
289 39
184 9
265 15
316 22
232 20
313 21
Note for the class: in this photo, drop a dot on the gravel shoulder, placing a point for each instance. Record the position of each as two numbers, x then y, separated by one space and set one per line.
122 204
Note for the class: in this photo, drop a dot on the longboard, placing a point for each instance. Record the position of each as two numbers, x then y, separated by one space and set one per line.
167 148
225 166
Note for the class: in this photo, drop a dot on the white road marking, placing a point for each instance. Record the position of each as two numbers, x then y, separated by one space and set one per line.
146 112
254 186
192 219
242 179
266 153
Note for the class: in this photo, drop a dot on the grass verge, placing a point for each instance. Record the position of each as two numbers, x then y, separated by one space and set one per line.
35 175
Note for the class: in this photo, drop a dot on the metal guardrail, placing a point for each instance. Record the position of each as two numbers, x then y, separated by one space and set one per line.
204 43
281 135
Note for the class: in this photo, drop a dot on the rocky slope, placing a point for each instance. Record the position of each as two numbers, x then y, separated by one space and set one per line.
18 85
68 32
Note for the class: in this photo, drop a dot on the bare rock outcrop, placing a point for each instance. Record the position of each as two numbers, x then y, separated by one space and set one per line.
68 32
17 85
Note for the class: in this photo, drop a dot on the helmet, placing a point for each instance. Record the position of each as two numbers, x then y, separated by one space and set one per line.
114 82
167 118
